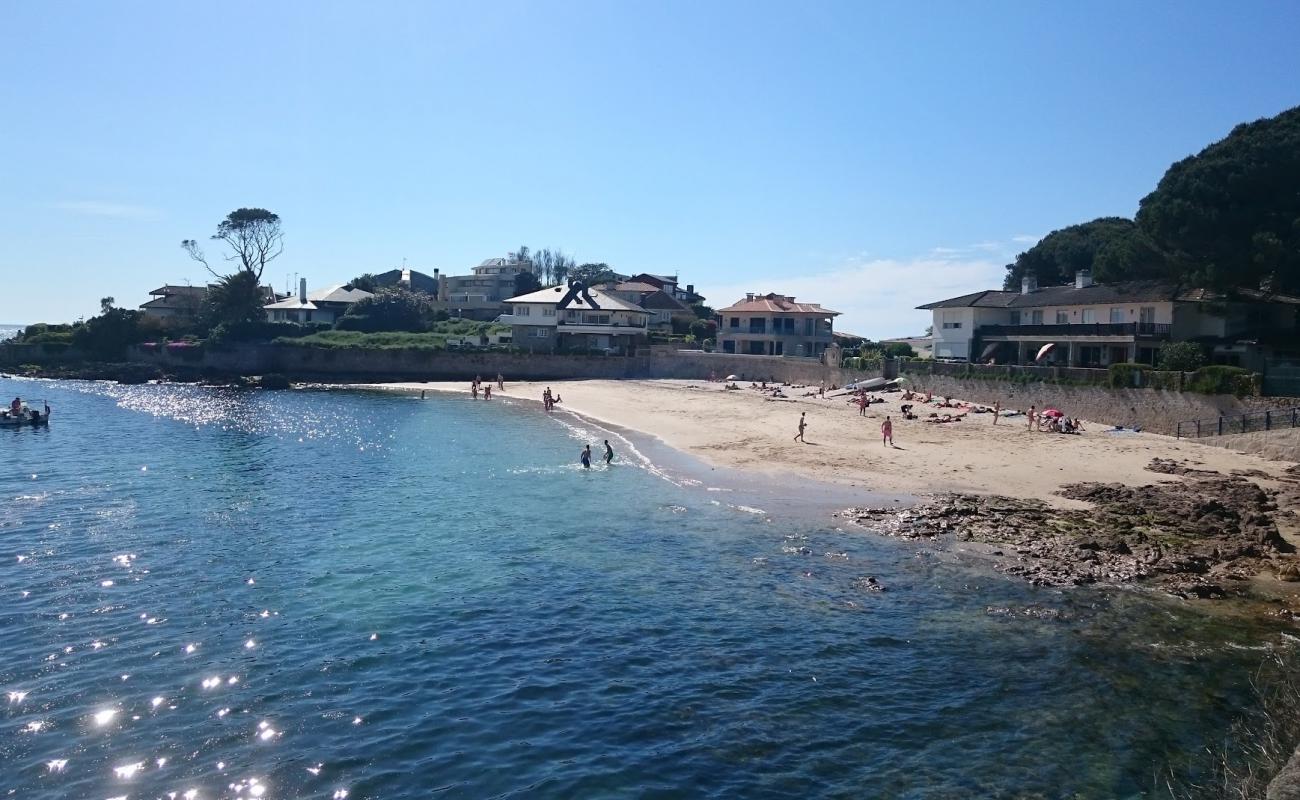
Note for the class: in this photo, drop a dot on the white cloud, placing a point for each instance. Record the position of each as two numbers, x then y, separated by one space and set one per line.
1026 238
877 298
95 208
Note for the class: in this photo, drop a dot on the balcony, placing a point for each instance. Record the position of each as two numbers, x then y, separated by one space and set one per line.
1143 330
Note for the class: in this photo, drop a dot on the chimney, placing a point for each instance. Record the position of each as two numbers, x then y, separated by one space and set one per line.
1083 279
749 296
442 287
1029 284
690 288
302 290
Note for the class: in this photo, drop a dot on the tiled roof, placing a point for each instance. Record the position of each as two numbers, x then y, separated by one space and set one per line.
663 300
554 294
169 289
335 294
778 304
1098 294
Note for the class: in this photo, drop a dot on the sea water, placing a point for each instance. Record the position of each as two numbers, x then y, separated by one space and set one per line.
211 593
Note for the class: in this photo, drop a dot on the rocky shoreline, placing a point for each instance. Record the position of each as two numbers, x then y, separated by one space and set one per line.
1204 535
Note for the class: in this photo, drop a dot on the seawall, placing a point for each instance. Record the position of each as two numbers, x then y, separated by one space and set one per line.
1150 409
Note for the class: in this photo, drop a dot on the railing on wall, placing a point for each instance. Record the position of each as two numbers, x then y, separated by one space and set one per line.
1230 424
1090 329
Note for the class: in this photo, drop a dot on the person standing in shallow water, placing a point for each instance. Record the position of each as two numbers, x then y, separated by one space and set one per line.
586 457
803 423
609 453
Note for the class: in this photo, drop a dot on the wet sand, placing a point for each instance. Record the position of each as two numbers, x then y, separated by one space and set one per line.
749 430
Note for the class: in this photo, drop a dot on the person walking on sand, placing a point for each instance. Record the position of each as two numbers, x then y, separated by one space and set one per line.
609 453
887 433
1033 417
997 411
803 423
862 404
586 457
501 382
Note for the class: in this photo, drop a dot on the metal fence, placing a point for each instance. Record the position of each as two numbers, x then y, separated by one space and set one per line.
1250 422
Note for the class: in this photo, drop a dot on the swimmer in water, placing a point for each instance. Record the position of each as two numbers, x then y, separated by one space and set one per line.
586 457
609 453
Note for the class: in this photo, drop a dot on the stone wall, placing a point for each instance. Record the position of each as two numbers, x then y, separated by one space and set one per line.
346 364
1149 409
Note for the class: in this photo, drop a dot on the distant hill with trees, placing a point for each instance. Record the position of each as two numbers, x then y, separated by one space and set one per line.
1227 217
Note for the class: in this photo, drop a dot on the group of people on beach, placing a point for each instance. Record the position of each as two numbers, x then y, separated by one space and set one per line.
549 400
486 386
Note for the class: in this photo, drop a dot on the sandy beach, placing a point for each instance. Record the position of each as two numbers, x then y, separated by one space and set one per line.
747 429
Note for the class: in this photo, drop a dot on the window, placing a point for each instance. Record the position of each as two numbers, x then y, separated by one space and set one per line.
1015 317
1117 315
521 311
1147 315
735 322
1063 318
808 327
1089 316
548 311
1036 317
950 325
542 333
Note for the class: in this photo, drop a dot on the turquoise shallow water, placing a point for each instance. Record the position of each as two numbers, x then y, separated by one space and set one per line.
330 594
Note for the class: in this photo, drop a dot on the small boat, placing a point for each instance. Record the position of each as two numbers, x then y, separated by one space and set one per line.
871 384
25 415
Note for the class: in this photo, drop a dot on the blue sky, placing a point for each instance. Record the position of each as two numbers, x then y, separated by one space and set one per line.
866 156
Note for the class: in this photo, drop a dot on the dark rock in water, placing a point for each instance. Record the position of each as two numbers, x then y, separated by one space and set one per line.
868 584
273 381
1187 537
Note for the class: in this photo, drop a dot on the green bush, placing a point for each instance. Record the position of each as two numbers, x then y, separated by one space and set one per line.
1181 356
1126 376
1221 379
42 333
262 331
391 309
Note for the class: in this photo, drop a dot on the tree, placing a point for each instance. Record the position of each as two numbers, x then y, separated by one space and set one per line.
106 304
107 336
366 282
253 236
1229 216
1111 247
1180 356
234 299
390 309
591 274
526 282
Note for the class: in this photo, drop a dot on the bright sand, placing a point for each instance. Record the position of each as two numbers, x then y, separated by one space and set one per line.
746 429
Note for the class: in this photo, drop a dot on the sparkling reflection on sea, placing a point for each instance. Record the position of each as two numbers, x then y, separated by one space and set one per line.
212 593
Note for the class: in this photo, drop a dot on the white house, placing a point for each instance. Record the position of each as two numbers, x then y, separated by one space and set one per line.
321 305
1094 325
538 322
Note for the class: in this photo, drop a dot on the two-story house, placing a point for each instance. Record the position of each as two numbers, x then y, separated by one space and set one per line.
1093 325
664 308
539 323
481 295
775 325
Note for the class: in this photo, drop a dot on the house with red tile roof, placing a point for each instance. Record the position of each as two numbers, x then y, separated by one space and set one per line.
775 325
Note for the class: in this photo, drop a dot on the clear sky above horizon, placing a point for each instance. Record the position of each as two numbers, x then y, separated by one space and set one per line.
865 156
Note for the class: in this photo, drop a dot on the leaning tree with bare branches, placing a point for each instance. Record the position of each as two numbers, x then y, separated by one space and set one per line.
253 236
